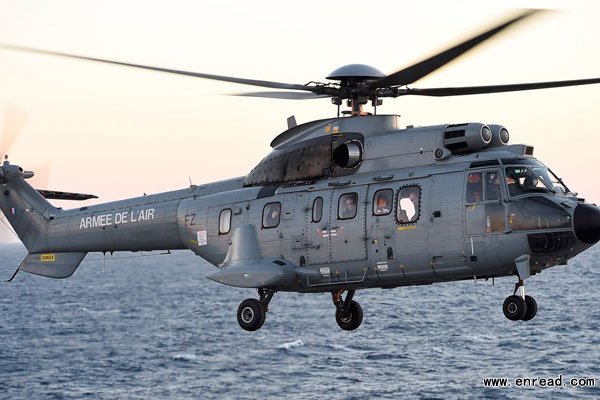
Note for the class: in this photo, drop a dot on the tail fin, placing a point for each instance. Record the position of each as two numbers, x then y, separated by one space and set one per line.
29 214
27 211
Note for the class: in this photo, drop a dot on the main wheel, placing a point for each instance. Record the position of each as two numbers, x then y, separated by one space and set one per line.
531 308
251 314
514 308
352 319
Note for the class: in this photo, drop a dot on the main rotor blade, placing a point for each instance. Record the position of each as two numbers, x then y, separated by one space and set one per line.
283 95
417 71
15 119
462 91
243 81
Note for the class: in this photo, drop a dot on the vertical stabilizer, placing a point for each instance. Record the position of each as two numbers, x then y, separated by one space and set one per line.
25 209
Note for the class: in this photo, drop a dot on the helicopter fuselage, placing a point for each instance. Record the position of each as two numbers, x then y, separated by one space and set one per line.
414 219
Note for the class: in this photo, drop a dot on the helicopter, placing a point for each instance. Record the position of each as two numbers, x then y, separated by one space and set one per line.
340 204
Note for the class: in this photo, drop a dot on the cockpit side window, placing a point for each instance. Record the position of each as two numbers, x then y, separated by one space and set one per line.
409 204
537 212
474 193
492 186
520 180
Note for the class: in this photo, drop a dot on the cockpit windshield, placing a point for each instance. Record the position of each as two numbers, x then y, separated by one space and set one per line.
533 178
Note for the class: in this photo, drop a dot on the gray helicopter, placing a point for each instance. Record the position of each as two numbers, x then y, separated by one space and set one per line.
339 204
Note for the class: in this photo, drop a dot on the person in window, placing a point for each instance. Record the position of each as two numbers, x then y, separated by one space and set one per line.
474 187
408 207
382 205
349 210
493 186
402 216
512 182
530 182
414 198
272 216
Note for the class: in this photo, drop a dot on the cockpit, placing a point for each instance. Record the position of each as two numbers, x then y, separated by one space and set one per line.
528 183
521 177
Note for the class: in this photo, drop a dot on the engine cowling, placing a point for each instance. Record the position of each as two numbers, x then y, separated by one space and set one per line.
465 138
348 154
500 136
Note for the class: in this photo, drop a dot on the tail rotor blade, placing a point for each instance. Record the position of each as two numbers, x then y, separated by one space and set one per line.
15 119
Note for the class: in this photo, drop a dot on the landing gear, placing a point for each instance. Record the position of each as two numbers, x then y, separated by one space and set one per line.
514 308
251 313
348 313
519 307
531 308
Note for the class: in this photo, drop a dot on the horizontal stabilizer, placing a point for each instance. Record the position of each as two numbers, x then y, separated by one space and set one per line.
54 195
52 265
257 274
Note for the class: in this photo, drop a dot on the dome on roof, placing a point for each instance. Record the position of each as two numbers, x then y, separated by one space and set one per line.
356 71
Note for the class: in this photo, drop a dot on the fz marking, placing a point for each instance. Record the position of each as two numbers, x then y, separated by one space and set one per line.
190 220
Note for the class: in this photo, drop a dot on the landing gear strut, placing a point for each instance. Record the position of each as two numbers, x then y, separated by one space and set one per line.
519 306
251 313
348 313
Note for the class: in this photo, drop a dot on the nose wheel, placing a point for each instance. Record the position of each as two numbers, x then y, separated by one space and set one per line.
519 307
348 313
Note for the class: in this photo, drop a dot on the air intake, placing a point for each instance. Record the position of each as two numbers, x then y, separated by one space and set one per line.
465 138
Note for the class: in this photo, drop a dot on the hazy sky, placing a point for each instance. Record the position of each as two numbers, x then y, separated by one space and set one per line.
118 132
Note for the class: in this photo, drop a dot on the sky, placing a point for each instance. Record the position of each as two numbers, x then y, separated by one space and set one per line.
119 132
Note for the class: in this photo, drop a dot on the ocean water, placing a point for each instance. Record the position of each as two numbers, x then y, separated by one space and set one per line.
155 328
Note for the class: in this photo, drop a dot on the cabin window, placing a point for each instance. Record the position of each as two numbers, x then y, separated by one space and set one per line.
347 206
317 209
271 215
225 221
474 192
409 204
382 202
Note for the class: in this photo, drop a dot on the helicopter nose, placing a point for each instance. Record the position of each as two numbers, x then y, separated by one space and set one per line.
586 221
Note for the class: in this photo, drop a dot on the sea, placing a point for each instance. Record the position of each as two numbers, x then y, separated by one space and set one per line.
151 326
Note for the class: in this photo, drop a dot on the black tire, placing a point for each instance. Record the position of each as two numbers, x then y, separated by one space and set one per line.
352 319
251 314
531 308
514 308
